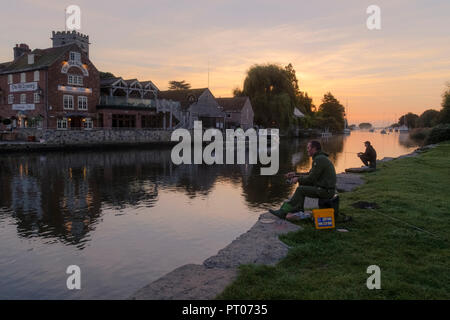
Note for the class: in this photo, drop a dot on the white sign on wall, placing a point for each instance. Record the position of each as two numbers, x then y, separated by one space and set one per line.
74 89
23 106
26 86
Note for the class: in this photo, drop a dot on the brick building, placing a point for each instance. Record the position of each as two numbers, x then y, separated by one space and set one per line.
54 88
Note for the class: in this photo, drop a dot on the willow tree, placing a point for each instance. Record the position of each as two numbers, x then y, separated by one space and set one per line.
272 94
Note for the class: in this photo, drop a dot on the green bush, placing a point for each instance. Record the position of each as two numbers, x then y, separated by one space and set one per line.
439 133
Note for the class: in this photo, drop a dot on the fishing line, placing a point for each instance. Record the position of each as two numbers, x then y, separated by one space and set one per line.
409 224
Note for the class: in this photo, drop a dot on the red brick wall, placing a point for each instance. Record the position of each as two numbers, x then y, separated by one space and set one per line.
55 97
6 110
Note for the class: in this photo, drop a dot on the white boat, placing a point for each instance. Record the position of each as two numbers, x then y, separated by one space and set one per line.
403 128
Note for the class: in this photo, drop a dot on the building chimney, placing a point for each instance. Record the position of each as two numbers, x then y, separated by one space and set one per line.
20 50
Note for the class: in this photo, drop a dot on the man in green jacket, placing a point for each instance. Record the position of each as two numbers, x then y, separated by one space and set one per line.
319 183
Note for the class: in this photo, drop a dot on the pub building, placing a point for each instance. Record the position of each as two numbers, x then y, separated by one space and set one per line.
53 88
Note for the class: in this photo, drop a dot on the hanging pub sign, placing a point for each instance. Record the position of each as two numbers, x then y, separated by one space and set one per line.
26 86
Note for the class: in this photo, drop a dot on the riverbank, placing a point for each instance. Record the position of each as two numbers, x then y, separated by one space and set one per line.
404 232
259 245
311 264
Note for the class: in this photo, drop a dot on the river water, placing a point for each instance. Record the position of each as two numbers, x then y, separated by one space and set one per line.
128 217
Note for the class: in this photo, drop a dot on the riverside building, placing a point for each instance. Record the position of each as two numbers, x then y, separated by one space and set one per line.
53 88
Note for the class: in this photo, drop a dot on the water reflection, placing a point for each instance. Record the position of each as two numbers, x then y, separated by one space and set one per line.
66 196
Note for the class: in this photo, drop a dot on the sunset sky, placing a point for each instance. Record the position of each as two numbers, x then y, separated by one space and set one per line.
382 73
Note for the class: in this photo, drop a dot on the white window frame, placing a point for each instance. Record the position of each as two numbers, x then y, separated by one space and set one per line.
10 79
23 98
62 124
75 80
37 97
23 77
36 75
88 124
10 99
82 103
69 102
75 56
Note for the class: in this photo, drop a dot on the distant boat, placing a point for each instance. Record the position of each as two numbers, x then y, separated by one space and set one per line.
396 129
371 130
403 128
383 131
390 129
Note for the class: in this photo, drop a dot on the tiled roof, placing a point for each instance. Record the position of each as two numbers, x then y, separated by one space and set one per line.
108 81
42 58
232 104
182 96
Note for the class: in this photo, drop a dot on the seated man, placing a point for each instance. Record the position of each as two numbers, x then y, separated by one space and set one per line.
319 183
369 158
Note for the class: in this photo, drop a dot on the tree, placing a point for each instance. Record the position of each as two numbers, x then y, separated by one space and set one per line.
332 112
237 92
272 94
429 118
411 120
179 85
106 75
444 116
365 126
304 103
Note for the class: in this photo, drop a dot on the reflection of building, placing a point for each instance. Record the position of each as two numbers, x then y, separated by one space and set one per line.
239 112
54 88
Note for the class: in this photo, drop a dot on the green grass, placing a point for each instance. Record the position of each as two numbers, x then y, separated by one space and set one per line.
326 264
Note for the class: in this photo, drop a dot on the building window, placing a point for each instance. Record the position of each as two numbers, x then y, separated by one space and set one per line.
36 76
88 123
10 99
10 78
74 80
23 98
62 124
75 56
82 103
68 102
23 77
123 121
37 97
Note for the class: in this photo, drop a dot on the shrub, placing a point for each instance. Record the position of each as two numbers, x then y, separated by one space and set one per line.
439 133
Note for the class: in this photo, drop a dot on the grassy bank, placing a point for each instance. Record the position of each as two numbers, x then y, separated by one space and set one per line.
325 264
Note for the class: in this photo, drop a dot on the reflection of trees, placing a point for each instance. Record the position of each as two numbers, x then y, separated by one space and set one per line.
405 140
62 194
